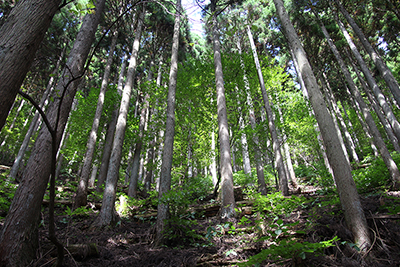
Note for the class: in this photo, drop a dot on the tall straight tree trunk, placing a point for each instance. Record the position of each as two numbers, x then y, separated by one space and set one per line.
245 148
107 214
81 194
378 111
311 112
35 121
133 184
108 143
21 36
371 82
213 166
283 184
348 195
18 241
390 164
252 118
166 166
227 197
376 58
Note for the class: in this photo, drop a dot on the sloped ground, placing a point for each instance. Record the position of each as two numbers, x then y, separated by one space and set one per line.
229 243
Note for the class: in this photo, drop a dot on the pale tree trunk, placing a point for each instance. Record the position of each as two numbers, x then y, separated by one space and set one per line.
376 58
81 194
348 138
338 119
365 127
257 153
390 164
166 166
227 197
245 149
18 241
21 36
371 82
311 112
213 166
378 111
134 178
348 195
107 214
108 143
283 184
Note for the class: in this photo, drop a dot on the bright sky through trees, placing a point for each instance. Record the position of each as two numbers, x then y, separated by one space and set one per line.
194 14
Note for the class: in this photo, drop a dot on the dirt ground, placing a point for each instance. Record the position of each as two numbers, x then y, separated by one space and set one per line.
130 243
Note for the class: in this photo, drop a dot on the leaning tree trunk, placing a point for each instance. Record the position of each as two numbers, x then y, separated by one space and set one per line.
81 194
371 82
166 166
21 36
18 241
376 58
390 164
283 184
108 143
107 214
227 197
348 194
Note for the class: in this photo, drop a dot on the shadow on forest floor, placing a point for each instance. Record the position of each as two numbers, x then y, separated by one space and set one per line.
227 244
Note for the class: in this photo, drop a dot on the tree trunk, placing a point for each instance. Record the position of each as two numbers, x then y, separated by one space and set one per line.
371 82
18 240
166 166
348 195
108 143
21 36
133 184
390 164
283 185
376 58
227 197
107 214
245 149
81 194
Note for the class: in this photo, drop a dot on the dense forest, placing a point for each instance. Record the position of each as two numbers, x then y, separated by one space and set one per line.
270 138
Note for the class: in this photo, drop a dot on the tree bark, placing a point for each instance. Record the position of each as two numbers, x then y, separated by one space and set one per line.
107 214
227 197
348 195
376 58
18 241
283 184
81 194
390 164
371 82
108 143
166 166
21 36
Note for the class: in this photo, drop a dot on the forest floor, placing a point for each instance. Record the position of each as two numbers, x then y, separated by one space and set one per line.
305 237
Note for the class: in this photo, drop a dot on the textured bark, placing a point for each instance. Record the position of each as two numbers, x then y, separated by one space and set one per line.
133 183
348 195
378 111
376 58
283 184
81 194
166 166
245 149
227 196
21 36
108 143
17 243
252 118
107 214
371 82
390 164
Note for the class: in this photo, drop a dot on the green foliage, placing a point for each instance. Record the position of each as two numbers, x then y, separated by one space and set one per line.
7 191
81 211
375 176
289 249
276 204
